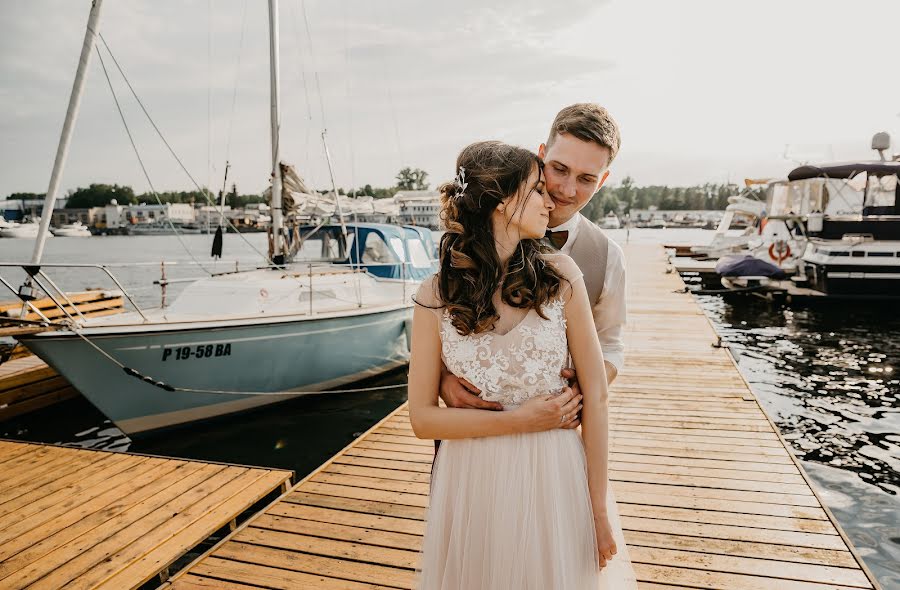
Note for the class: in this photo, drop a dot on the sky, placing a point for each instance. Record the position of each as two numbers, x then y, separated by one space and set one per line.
703 90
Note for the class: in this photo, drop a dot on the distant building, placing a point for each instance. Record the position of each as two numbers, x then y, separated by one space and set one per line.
419 208
87 216
175 212
22 209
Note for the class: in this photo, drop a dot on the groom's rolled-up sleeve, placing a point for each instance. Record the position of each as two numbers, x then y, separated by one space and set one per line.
609 311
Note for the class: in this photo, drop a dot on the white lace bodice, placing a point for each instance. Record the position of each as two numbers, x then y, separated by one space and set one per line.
513 367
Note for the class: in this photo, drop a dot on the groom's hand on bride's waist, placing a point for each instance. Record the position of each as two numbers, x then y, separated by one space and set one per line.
569 375
459 393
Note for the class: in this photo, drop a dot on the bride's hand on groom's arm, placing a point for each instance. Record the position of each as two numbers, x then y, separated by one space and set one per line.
547 412
459 393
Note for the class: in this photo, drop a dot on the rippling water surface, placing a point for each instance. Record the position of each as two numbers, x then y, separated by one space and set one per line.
828 375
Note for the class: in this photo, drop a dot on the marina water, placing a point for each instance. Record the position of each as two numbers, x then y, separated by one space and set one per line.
827 374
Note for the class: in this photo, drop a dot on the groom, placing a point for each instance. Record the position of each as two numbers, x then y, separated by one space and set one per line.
583 141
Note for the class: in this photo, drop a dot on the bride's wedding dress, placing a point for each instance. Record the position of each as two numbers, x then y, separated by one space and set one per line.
513 512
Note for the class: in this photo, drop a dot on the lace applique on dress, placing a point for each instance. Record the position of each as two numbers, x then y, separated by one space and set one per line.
513 367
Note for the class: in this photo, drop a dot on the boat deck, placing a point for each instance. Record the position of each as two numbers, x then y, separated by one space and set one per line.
76 518
709 494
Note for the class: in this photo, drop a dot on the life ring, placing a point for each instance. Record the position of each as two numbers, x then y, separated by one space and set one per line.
779 255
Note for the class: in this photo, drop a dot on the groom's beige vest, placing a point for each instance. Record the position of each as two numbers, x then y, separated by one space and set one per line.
590 252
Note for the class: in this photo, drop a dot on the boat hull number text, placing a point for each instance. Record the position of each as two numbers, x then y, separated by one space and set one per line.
200 351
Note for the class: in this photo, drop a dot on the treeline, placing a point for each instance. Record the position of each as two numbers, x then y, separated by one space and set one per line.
619 199
99 195
627 195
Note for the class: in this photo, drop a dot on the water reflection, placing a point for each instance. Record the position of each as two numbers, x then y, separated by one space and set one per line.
829 376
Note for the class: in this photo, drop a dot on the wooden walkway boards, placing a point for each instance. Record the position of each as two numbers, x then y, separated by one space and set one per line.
75 518
709 495
28 384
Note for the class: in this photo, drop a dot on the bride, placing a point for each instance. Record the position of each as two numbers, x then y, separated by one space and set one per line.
517 501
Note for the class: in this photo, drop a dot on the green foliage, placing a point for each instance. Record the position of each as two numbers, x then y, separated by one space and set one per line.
236 201
98 195
627 196
412 179
26 196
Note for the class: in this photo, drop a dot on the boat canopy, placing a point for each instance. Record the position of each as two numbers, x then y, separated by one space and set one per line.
845 170
387 251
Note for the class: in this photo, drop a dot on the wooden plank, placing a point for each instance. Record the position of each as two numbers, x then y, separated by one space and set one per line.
398 558
97 562
694 578
59 566
34 537
771 523
398 466
47 303
733 533
268 577
192 582
340 532
318 565
711 464
43 483
689 470
154 551
627 487
44 506
37 402
704 546
356 505
820 574
735 506
362 520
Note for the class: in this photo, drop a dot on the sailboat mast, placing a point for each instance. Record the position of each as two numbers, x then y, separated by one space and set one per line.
275 116
62 151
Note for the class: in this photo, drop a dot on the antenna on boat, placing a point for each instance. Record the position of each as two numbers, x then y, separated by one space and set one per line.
62 151
278 257
881 142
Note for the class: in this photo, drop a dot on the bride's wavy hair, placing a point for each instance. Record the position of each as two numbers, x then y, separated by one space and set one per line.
470 270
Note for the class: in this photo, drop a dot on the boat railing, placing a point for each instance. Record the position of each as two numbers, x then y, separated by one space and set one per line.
35 275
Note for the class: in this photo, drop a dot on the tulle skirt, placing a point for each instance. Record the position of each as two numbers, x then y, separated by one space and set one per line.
513 513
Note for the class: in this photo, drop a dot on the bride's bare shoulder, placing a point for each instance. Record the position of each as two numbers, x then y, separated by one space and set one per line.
428 295
564 265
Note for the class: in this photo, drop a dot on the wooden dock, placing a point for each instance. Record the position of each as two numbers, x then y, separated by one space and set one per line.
28 384
709 494
75 518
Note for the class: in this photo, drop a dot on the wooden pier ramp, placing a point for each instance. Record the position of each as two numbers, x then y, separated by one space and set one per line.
76 518
709 495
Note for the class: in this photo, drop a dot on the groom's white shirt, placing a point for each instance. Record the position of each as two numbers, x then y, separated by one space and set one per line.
609 310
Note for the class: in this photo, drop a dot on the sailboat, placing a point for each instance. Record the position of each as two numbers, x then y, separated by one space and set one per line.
336 313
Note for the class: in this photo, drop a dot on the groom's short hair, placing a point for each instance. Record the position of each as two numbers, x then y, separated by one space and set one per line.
587 121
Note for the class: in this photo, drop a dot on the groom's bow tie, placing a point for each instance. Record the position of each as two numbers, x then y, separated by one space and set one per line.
557 239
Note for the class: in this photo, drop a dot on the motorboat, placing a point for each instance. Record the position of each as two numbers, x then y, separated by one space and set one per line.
162 228
610 221
854 250
19 230
839 223
72 230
